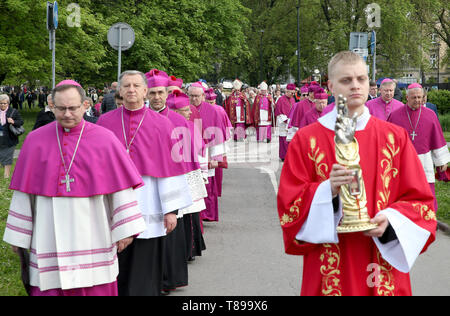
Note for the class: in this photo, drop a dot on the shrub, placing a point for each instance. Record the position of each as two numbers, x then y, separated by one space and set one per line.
442 100
439 97
445 122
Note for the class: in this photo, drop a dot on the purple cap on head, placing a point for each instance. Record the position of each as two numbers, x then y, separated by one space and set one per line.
157 78
198 84
68 82
177 100
320 94
414 86
175 82
386 80
290 86
210 95
313 88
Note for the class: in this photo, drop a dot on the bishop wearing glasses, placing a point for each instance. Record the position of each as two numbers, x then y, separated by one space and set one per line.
74 206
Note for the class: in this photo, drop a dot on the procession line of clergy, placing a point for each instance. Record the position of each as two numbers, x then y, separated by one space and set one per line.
114 208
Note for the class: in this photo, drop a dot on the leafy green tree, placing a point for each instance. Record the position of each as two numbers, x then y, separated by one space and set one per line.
325 27
184 38
26 55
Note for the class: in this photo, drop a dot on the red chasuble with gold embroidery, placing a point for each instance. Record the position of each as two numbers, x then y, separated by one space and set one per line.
238 100
393 179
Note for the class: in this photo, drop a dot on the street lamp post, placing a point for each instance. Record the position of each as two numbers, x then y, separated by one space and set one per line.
261 58
298 44
438 46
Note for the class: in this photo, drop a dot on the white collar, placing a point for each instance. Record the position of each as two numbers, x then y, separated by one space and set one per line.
329 119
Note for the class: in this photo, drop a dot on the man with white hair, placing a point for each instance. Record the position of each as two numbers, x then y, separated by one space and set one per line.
262 114
425 133
385 104
146 136
238 109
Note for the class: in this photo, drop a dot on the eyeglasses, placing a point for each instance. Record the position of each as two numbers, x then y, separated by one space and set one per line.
195 95
5 103
70 108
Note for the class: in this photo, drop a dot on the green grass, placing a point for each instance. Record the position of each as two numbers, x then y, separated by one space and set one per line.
443 198
447 136
10 281
29 118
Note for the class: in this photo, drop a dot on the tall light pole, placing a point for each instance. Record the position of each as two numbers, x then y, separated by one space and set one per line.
261 58
298 44
373 47
438 46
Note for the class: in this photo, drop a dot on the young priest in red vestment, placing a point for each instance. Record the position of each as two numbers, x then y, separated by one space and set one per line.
238 109
399 200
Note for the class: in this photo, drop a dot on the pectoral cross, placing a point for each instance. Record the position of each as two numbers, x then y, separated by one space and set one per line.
413 135
67 181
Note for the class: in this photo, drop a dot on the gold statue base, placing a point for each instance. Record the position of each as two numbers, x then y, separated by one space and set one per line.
353 222
356 228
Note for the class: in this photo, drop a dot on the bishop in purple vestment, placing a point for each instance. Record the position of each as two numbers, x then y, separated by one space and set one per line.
74 205
320 102
215 135
385 104
425 132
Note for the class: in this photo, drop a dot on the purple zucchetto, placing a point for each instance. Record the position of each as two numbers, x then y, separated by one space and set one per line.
68 82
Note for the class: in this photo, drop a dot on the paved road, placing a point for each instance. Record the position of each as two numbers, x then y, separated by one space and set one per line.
245 255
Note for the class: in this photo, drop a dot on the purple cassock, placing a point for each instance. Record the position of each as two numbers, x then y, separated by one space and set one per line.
310 117
426 134
40 171
109 289
187 150
299 110
95 152
284 105
282 110
382 109
215 134
219 171
154 132
328 108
